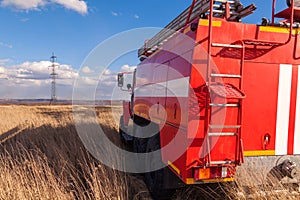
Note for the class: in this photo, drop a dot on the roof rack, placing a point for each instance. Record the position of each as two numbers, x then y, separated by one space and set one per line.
198 8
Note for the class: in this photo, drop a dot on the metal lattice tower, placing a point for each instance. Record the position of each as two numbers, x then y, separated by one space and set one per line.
53 74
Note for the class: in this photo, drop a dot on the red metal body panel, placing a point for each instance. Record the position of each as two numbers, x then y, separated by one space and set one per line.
265 73
126 112
259 108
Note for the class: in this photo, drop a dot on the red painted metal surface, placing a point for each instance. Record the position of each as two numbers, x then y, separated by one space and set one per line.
126 112
262 56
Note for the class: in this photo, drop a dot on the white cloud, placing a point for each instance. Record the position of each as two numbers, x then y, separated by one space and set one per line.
107 72
3 73
87 81
79 6
86 70
136 16
127 68
3 44
32 80
4 61
24 4
115 14
2 70
24 19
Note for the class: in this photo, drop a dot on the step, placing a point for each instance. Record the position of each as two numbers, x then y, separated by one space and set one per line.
227 45
226 75
225 105
227 91
262 43
223 162
225 126
222 134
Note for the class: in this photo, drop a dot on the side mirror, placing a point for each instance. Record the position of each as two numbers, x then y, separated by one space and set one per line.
120 80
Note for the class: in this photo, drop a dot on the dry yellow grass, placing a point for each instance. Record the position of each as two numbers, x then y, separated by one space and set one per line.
255 182
42 157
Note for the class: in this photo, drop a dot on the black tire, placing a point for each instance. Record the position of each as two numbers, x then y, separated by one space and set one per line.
139 144
155 179
122 130
135 145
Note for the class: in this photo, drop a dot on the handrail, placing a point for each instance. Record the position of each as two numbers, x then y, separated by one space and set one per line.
273 12
292 7
211 6
190 13
240 149
291 21
208 71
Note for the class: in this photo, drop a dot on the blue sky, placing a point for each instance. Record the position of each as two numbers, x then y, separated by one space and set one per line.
32 29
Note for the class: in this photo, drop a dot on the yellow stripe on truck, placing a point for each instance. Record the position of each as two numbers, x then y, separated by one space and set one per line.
174 167
190 181
188 29
259 153
272 29
217 180
205 22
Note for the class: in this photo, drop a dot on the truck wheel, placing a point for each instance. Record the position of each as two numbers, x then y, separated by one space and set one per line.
139 144
155 179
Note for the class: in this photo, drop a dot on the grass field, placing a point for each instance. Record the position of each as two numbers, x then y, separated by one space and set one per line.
42 157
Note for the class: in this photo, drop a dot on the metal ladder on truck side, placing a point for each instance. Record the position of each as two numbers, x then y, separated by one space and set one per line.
232 99
229 93
232 10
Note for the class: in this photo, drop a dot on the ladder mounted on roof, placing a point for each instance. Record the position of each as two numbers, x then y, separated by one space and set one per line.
235 12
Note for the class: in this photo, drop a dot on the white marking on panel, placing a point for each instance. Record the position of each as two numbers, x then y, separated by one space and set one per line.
297 119
143 91
283 109
159 89
175 88
178 87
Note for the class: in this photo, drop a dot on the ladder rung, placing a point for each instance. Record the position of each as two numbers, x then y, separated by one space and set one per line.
217 6
226 75
225 1
225 105
222 134
223 12
222 162
227 45
225 126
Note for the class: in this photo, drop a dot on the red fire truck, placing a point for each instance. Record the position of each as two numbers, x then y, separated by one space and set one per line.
218 91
